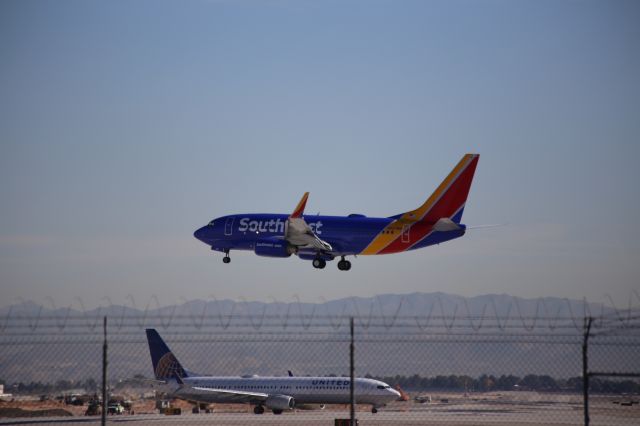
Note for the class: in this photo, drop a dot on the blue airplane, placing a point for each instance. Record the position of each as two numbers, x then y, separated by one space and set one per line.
324 238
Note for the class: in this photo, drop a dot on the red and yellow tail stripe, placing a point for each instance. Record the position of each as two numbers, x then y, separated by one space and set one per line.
415 225
299 210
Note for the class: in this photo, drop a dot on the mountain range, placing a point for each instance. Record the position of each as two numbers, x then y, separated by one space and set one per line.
420 333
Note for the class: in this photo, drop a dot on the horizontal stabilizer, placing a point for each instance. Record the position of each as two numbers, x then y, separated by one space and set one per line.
445 224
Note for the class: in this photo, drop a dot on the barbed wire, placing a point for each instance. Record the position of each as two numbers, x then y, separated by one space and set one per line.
244 313
446 339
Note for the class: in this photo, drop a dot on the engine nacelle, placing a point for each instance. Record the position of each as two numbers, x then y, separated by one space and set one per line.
274 248
311 256
280 402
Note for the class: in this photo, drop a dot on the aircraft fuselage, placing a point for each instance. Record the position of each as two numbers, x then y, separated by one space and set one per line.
349 235
304 390
321 238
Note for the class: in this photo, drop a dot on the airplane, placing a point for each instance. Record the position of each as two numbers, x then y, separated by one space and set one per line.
275 393
324 238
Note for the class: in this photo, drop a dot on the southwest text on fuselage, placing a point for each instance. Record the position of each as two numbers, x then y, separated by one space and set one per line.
271 225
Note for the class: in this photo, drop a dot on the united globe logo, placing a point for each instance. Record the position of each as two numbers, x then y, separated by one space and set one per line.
168 366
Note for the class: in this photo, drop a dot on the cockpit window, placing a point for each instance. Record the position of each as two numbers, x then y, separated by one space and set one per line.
211 223
383 387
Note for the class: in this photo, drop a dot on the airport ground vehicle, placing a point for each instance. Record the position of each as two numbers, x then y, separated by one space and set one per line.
116 408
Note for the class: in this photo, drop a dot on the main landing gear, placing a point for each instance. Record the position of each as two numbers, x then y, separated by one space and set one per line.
319 263
226 258
344 265
258 409
374 410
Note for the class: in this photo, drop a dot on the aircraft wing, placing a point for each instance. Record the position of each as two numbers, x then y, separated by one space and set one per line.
298 233
232 395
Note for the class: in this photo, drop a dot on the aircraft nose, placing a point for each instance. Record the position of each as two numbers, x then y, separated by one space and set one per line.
201 234
395 393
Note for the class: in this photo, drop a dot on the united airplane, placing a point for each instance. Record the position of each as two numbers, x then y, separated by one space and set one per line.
275 393
325 238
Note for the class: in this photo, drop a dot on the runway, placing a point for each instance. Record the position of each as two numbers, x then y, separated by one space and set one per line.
547 413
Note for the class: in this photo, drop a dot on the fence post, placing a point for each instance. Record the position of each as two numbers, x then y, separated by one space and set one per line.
585 369
352 396
104 375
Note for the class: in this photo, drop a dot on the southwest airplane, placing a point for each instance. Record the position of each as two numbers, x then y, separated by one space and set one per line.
275 393
323 238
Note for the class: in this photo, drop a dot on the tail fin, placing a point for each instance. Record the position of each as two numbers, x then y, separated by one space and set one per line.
447 202
165 364
449 199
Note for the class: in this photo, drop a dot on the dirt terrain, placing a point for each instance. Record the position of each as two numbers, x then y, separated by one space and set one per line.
437 408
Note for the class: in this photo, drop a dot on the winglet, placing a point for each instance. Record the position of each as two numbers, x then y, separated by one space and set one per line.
300 207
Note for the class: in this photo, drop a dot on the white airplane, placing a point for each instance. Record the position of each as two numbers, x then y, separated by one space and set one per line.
275 393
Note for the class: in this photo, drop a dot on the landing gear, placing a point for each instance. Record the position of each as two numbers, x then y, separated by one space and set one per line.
258 409
277 411
374 410
344 265
319 263
226 258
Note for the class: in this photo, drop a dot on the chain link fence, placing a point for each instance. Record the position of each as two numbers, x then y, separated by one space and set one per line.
449 369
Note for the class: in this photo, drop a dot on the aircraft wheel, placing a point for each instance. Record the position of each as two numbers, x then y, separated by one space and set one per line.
226 259
374 410
277 411
258 409
344 265
319 263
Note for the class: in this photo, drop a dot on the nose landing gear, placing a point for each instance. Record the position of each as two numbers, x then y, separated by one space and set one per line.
226 258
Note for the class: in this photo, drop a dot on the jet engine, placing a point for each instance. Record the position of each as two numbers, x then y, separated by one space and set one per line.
310 256
280 402
270 248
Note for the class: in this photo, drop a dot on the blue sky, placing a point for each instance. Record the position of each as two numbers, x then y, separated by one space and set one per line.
124 126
